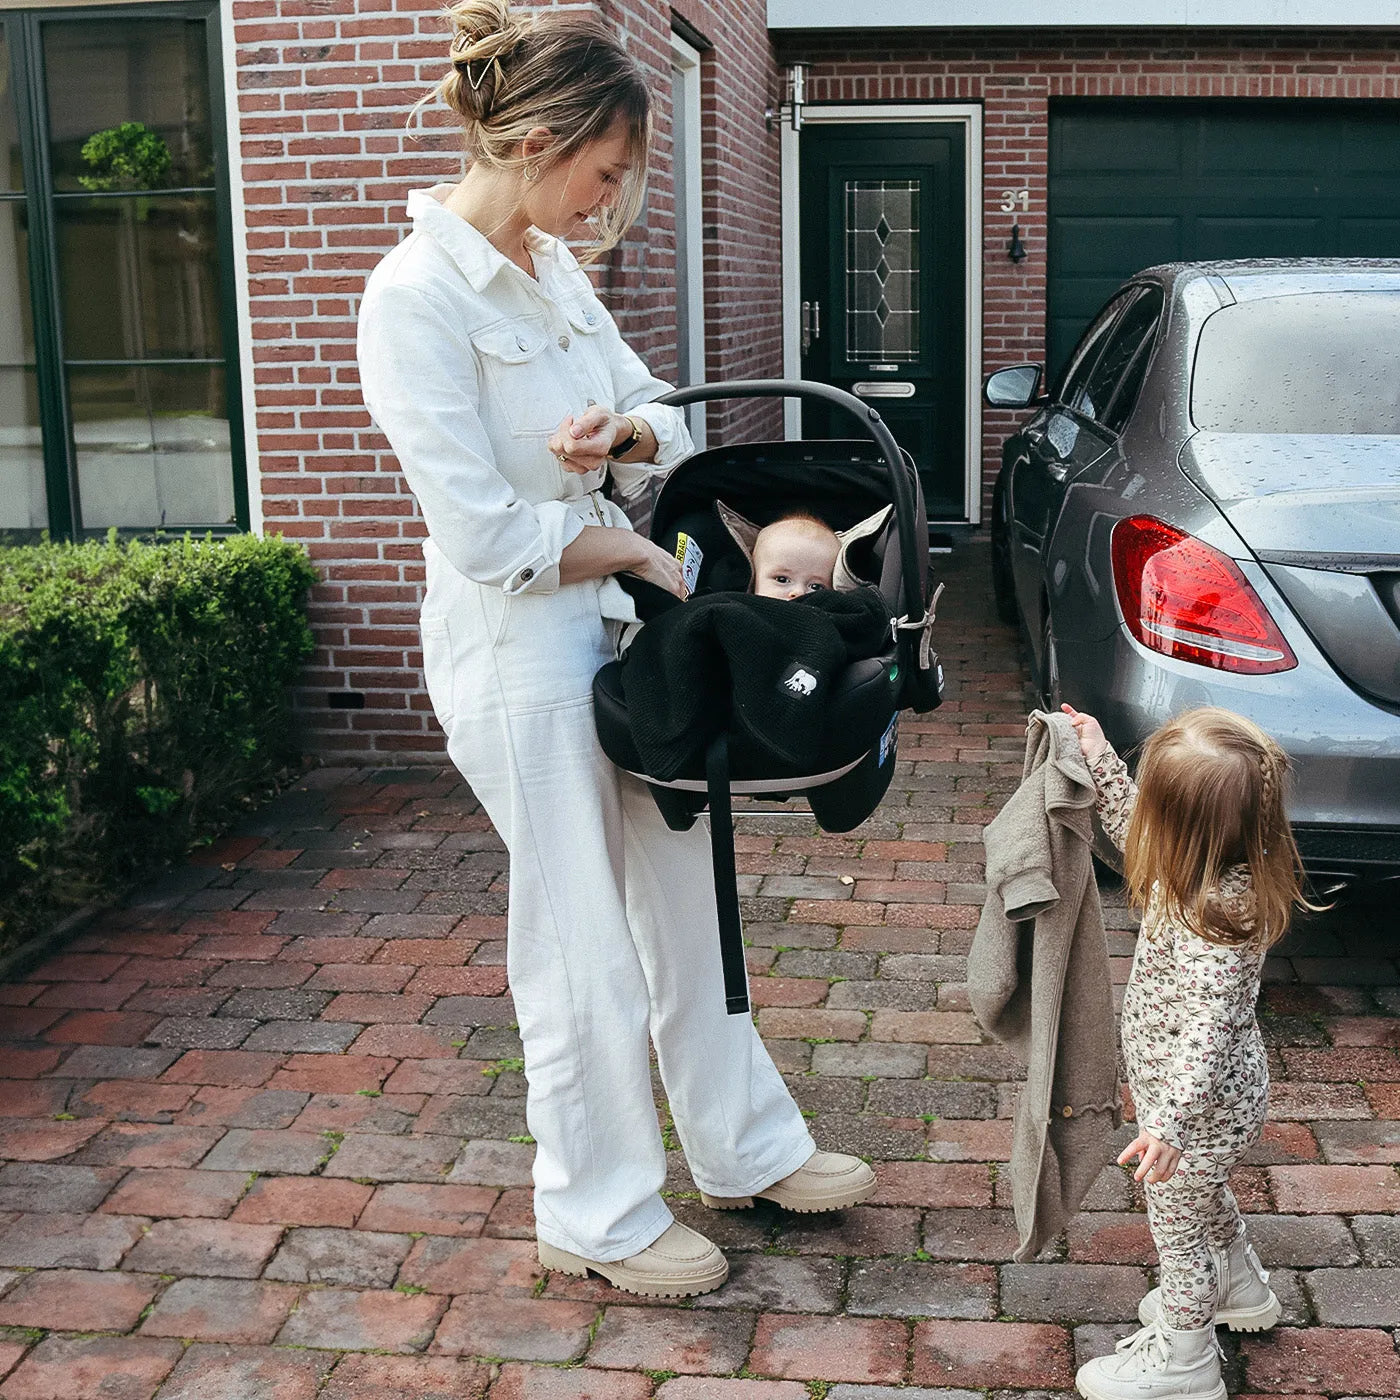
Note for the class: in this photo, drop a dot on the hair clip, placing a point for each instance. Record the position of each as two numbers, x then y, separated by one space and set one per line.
485 69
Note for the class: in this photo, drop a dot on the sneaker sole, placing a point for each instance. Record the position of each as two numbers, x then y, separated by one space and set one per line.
798 1205
1258 1319
618 1275
1092 1393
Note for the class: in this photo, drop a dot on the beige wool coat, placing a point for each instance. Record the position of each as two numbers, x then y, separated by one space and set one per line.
1038 980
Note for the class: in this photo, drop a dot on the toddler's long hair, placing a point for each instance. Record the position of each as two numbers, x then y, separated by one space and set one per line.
1211 796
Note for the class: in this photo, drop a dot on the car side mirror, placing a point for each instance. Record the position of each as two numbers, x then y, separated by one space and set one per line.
1017 386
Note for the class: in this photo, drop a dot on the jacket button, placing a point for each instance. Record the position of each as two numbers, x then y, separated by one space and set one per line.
1068 1111
563 342
590 318
526 575
521 343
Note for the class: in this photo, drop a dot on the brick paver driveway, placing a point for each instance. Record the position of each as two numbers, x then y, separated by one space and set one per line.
264 1131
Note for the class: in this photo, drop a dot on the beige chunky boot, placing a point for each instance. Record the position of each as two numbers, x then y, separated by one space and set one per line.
681 1263
1244 1302
825 1181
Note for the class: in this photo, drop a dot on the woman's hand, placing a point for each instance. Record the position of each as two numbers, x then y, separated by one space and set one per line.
581 444
656 566
1159 1159
1092 742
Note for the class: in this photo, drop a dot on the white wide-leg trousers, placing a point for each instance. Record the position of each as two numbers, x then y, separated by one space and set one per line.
612 934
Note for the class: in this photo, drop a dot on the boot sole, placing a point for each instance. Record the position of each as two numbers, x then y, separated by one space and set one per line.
1091 1393
805 1204
618 1275
1258 1319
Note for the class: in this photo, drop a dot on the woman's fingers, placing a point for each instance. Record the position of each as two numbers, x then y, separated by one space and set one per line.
589 422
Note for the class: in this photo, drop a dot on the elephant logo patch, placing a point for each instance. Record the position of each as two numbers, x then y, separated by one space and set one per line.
800 681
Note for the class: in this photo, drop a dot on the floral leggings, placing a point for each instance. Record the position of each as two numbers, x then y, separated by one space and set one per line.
1196 1209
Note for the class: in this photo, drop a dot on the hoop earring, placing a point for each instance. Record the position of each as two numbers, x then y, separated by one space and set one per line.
532 172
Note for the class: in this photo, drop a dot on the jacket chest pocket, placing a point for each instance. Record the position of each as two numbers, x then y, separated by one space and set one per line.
525 388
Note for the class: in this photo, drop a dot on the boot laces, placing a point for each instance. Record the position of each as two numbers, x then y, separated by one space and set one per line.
1156 1354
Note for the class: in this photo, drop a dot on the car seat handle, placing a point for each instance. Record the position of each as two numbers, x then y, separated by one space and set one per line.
901 494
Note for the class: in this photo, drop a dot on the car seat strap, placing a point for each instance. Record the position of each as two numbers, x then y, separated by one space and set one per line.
731 928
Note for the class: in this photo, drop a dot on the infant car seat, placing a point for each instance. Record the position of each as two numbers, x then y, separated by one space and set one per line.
869 492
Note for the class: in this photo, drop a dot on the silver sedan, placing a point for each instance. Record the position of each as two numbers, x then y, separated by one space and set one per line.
1205 510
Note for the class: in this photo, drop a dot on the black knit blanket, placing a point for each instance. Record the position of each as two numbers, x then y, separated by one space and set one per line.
759 667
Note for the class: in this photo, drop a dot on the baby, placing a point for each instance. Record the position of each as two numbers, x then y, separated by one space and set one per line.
794 555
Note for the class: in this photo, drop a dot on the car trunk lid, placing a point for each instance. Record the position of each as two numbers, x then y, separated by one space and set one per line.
1322 516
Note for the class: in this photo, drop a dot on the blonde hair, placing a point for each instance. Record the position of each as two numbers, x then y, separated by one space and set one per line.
563 70
1211 796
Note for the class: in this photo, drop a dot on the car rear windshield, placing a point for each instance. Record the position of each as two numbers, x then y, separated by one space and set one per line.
1319 362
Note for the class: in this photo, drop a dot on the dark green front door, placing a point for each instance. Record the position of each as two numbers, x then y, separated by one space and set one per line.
1137 183
883 261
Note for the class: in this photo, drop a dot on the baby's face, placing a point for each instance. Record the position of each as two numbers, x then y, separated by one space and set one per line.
790 560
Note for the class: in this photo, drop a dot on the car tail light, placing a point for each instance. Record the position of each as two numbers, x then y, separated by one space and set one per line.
1184 599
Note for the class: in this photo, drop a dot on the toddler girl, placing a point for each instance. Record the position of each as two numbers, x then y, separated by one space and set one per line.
1211 862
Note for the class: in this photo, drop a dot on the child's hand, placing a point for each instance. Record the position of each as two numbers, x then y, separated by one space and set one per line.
1092 742
1159 1159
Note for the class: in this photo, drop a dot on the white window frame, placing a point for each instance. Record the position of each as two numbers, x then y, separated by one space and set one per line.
690 234
970 116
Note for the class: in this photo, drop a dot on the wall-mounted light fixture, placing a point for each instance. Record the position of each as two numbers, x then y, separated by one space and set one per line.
1015 249
793 102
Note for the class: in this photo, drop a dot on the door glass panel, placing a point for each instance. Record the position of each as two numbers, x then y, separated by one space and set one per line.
142 121
882 270
11 166
23 496
139 277
16 320
153 445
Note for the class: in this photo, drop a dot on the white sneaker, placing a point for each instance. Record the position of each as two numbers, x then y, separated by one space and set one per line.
1244 1302
1156 1363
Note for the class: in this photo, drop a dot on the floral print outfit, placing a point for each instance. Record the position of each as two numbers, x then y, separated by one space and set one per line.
1197 1068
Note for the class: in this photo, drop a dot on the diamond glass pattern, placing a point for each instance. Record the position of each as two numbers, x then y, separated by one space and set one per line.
882 270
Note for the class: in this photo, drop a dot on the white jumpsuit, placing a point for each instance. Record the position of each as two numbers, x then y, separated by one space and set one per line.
468 365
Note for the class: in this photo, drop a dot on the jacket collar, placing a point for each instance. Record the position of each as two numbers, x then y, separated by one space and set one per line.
477 257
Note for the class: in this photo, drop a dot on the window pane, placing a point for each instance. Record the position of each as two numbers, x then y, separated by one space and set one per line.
1137 323
882 270
23 495
153 446
11 168
1317 362
16 321
151 72
139 277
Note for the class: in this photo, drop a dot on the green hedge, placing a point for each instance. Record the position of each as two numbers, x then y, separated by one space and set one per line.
143 695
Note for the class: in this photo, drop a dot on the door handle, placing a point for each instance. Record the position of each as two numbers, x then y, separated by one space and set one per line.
883 389
811 324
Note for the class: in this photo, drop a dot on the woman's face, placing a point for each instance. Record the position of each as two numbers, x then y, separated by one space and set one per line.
569 193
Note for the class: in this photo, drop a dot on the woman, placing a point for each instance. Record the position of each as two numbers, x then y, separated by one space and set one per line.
507 394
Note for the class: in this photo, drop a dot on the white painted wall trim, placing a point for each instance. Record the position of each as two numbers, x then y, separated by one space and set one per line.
970 115
685 61
248 407
1096 14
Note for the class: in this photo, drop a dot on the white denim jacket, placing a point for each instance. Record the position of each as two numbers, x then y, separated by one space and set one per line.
468 364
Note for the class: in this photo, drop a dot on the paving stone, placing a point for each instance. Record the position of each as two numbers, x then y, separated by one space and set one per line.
63 1240
51 1186
77 1300
318 1073
1335 1190
38 1140
430 1210
522 1329
1023 1355
439 1076
1337 1361
339 1320
828 1348
914 1392
240 1311
363 1155
1084 1292
147 1145
778 1282
94 1368
302 1200
1379 1238
365 1113
1110 1237
222 1248
861 1230
228 1068
1304 1241
160 1192
362 1377
1345 1297
357 1258
1360 1142
245 1108
305 1037
519 1382
912 1288
201 1032
913 1098
272 1004
443 1265
267 1150
935 1184
988 1235
214 1372
870 1059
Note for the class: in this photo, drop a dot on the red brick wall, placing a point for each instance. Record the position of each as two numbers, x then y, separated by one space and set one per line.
1015 75
323 89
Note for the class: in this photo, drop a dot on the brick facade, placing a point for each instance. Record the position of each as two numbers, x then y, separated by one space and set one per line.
323 90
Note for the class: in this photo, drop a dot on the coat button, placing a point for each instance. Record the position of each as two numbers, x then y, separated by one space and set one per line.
526 575
521 343
1068 1111
563 342
590 318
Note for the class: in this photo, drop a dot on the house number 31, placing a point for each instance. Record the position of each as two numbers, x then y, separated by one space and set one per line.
1011 200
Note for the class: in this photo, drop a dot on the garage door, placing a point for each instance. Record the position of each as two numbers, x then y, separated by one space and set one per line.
1132 184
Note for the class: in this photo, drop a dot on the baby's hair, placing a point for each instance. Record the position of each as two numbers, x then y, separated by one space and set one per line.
1211 796
801 517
